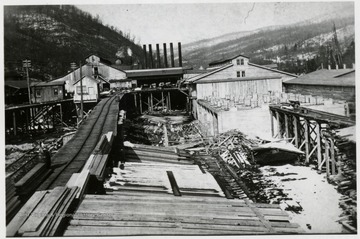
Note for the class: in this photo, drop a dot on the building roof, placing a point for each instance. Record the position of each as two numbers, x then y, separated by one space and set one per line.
49 83
271 69
224 60
98 79
155 72
17 84
340 77
198 77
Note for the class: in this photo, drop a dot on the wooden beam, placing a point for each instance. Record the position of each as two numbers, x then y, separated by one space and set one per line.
173 183
140 103
318 142
287 133
332 155
279 124
14 122
327 149
272 123
296 131
306 125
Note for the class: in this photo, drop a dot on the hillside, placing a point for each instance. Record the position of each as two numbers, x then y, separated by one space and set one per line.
54 36
303 41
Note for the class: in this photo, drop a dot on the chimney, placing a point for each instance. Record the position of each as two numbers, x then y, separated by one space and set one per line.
151 62
329 67
337 67
145 56
344 66
180 57
165 56
172 55
158 56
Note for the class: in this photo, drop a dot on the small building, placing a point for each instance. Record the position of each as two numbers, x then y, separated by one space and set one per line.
16 92
48 91
91 88
337 84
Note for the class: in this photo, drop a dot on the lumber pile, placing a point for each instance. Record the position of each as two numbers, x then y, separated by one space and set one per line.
79 180
44 213
146 153
98 165
234 148
103 146
12 200
345 142
28 184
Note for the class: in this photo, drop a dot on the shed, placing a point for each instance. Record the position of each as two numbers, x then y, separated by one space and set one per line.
91 89
48 91
335 84
16 92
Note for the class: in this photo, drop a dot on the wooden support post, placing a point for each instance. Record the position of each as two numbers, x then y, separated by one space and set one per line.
306 125
296 131
327 148
332 155
151 102
272 123
169 99
166 139
135 102
318 143
14 122
287 133
61 114
140 103
162 99
279 124
148 100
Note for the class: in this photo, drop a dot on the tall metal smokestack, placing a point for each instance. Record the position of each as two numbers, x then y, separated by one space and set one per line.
151 63
158 55
165 56
145 56
172 55
180 57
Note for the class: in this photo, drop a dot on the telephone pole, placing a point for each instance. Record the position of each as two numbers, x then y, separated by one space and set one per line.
73 67
27 65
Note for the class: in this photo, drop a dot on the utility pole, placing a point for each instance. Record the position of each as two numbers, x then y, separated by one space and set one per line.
73 67
27 65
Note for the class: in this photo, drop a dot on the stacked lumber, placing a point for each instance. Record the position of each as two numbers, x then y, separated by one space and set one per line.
12 200
146 153
103 146
32 179
79 180
98 165
44 213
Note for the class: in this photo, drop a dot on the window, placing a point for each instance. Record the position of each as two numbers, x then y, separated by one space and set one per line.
96 71
38 93
238 74
242 73
56 91
242 62
237 61
78 90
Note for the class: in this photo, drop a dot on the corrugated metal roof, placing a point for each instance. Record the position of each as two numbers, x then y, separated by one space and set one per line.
341 77
50 83
202 81
196 78
18 84
271 69
155 72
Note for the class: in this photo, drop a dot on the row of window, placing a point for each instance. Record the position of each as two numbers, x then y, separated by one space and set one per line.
55 92
240 74
239 61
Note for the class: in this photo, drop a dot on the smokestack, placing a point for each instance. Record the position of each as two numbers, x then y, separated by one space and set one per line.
145 56
344 66
180 57
165 56
151 63
158 55
172 55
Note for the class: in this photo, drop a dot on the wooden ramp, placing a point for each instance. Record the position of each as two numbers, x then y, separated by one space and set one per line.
148 200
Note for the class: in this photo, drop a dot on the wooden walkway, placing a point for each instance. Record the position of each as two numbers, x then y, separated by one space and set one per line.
72 157
151 203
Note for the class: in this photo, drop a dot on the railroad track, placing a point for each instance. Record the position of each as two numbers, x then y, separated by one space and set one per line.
71 158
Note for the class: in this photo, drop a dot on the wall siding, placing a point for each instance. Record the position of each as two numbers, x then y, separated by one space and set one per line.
47 94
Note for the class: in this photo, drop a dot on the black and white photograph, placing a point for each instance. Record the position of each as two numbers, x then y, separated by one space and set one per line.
183 118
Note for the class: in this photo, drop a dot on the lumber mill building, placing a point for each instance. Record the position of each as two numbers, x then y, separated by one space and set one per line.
234 83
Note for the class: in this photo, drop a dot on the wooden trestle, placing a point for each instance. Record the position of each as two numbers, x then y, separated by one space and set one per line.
152 99
311 131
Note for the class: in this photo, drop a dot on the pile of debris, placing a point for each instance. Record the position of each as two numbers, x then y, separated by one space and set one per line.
346 178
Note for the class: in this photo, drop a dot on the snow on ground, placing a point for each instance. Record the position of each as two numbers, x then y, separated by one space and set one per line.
318 198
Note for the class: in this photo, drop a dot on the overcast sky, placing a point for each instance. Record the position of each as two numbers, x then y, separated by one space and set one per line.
188 22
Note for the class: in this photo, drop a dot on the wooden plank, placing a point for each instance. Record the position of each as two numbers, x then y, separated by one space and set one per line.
42 211
173 183
24 213
32 173
139 231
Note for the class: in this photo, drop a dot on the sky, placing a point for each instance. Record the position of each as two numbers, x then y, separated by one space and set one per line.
188 22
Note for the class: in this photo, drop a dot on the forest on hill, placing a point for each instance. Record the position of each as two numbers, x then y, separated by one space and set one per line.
53 36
